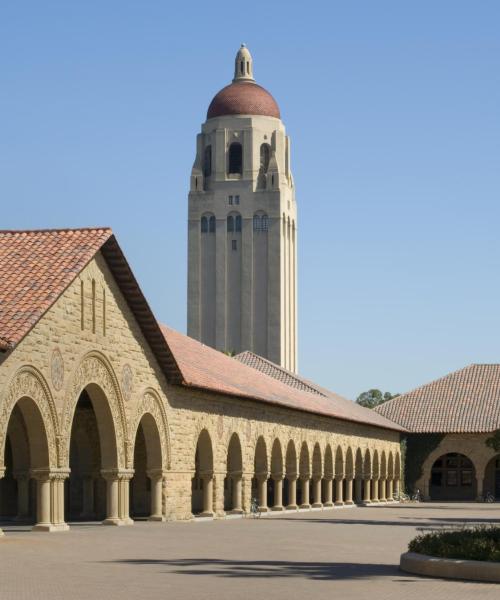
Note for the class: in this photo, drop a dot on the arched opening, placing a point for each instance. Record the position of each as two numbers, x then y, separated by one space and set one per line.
235 160
202 482
207 162
358 475
93 461
25 453
339 476
453 477
146 485
492 478
348 476
290 491
277 475
382 477
367 477
317 477
390 478
232 481
261 487
375 476
328 476
265 155
305 477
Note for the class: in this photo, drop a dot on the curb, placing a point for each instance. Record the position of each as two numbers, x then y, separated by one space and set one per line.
450 568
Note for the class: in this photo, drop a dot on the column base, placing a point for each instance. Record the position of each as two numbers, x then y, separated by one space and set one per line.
366 503
349 503
205 515
277 508
305 506
157 518
264 509
317 505
118 522
50 527
291 507
327 504
1 533
339 503
237 511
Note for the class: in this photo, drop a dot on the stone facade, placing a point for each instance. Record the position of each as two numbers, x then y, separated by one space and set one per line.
85 377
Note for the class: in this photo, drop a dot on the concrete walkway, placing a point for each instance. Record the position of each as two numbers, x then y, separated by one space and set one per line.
314 555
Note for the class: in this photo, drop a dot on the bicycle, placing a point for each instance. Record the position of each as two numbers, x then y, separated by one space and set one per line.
255 509
417 496
488 497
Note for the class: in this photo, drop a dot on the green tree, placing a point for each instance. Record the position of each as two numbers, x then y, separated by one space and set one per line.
373 398
493 442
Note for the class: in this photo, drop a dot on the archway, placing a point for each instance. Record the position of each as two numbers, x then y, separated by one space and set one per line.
390 477
26 459
367 477
328 477
348 476
232 481
317 476
492 478
305 477
375 476
277 474
260 484
382 477
358 475
202 483
453 477
92 489
146 485
339 477
290 492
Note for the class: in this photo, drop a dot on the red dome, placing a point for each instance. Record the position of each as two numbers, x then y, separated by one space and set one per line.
243 98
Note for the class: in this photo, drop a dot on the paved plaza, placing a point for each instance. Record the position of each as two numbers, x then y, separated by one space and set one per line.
337 553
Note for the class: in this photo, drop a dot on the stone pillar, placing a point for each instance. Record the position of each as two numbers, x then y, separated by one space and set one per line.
117 496
262 499
396 489
381 490
479 488
317 492
208 495
367 491
374 489
88 496
304 487
358 493
23 495
278 492
236 482
348 491
247 491
50 499
328 500
339 500
156 477
218 483
2 473
389 490
292 492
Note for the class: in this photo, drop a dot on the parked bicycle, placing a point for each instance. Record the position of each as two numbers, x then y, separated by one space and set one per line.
488 497
255 508
417 496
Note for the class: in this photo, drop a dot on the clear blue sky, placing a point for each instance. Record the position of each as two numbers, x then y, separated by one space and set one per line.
394 113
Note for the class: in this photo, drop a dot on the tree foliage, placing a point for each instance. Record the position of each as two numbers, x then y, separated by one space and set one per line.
493 442
374 397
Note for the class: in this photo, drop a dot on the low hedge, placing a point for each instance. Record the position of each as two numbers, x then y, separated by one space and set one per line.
473 543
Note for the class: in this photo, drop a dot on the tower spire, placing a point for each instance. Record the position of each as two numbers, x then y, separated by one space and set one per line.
243 65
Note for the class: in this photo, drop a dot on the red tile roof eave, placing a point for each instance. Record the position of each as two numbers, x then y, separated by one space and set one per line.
187 384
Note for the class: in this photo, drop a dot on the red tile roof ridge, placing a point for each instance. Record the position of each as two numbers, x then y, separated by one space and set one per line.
204 367
54 230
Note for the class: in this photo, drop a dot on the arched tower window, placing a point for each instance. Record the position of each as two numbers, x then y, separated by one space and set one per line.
265 155
207 162
260 222
237 223
204 225
235 166
230 223
208 224
211 224
256 222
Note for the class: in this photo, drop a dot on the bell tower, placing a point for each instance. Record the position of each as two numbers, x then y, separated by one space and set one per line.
242 226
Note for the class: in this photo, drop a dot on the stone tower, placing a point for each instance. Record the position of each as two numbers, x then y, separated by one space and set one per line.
242 239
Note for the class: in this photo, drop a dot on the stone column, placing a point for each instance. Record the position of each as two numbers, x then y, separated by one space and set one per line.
304 486
262 483
236 481
292 492
156 477
339 500
88 496
117 496
389 490
278 492
381 490
50 499
317 492
374 489
396 489
208 495
367 491
43 501
23 496
218 483
328 491
479 488
2 473
358 493
57 492
247 491
348 491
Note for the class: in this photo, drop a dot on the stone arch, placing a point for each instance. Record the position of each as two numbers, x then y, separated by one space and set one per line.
305 461
339 462
349 463
328 469
151 404
453 476
28 382
234 470
96 375
397 466
358 464
390 465
317 462
277 467
202 482
375 465
291 459
261 463
383 465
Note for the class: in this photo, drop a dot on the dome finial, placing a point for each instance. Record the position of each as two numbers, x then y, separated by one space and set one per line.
243 67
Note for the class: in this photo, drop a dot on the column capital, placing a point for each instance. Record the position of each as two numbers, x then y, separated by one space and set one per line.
116 474
292 476
277 476
156 473
367 476
305 476
45 474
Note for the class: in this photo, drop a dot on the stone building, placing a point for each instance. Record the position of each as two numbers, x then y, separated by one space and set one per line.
242 238
106 415
450 421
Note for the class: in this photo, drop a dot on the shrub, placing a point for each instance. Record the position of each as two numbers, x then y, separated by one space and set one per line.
473 543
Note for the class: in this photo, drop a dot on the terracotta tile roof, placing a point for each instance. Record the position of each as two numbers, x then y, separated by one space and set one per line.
277 372
36 267
466 401
205 368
